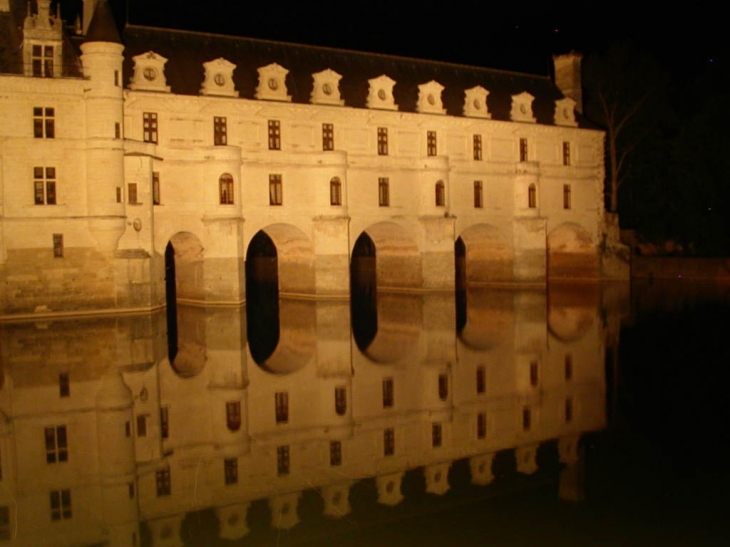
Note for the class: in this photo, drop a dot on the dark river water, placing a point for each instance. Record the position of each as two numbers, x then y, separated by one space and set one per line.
576 415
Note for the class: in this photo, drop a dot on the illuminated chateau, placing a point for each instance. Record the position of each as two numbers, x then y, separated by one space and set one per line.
218 149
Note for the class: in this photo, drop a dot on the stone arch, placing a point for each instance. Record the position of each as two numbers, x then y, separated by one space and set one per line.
397 256
571 253
188 254
483 255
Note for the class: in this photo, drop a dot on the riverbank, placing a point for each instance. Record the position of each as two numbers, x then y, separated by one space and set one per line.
672 267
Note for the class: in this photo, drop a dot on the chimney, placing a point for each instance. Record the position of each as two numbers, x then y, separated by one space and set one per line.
568 77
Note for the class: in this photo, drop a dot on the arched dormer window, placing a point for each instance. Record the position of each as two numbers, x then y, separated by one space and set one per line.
440 194
335 191
532 196
225 189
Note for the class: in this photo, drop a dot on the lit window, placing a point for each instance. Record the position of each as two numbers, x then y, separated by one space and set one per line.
335 453
44 185
281 402
274 135
156 188
163 482
568 410
142 425
282 460
42 61
566 153
57 245
340 400
443 386
233 415
477 147
64 385
440 194
478 194
230 470
389 441
335 191
526 418
44 123
388 398
116 78
117 130
383 191
481 425
431 143
132 193
532 196
220 131
533 374
382 141
60 504
436 435
566 196
119 194
225 189
568 367
523 149
149 120
275 190
328 136
56 444
481 379
164 422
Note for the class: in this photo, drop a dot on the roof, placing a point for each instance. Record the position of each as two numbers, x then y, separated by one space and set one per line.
102 27
187 51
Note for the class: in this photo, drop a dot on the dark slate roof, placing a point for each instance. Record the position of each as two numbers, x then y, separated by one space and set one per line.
11 39
187 51
102 27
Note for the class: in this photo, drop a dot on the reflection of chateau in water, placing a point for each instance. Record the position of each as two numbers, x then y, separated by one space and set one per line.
102 433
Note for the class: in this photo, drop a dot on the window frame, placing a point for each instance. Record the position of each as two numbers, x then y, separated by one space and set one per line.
44 122
220 131
431 143
56 441
233 415
335 453
382 141
437 435
335 191
230 471
281 407
440 191
60 504
340 400
524 149
566 153
155 188
274 132
58 246
532 196
388 441
163 482
388 392
383 192
276 189
567 197
283 460
45 186
481 381
478 194
64 385
150 127
477 147
226 188
328 137
481 425
42 62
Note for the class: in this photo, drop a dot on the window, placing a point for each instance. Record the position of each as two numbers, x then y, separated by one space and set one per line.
335 453
42 61
523 149
149 120
281 402
436 435
431 143
132 193
119 194
130 490
116 78
5 523
220 131
443 386
64 385
44 123
156 188
275 190
274 135
526 418
56 444
340 400
225 189
335 191
165 422
233 415
566 153
532 196
566 196
389 442
382 141
383 191
282 460
568 367
388 399
440 194
478 194
533 374
127 429
328 136
142 425
481 425
477 147
230 470
44 185
481 379
60 504
163 482
568 410
57 245
117 130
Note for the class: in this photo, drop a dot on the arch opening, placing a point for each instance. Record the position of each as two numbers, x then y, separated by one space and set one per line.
262 297
571 253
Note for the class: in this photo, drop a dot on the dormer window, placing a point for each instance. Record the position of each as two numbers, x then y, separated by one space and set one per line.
326 89
219 78
149 73
272 83
475 102
429 98
522 108
381 93
42 61
565 112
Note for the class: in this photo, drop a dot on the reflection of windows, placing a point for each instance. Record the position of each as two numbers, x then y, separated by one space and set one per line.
436 435
42 61
389 441
220 131
274 135
443 386
431 143
568 409
163 482
335 453
60 504
57 245
230 470
568 367
478 194
532 196
44 185
328 136
149 123
566 153
276 196
533 374
233 415
335 191
340 400
5 523
566 196
56 444
382 141
142 425
383 191
387 392
523 149
44 123
440 194
282 460
164 422
481 379
526 418
477 147
64 385
481 425
281 401
225 189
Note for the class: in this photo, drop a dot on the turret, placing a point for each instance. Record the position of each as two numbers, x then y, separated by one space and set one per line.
102 63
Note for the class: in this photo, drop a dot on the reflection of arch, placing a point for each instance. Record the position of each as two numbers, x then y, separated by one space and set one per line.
297 341
571 309
398 263
191 355
487 257
571 252
399 324
489 318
